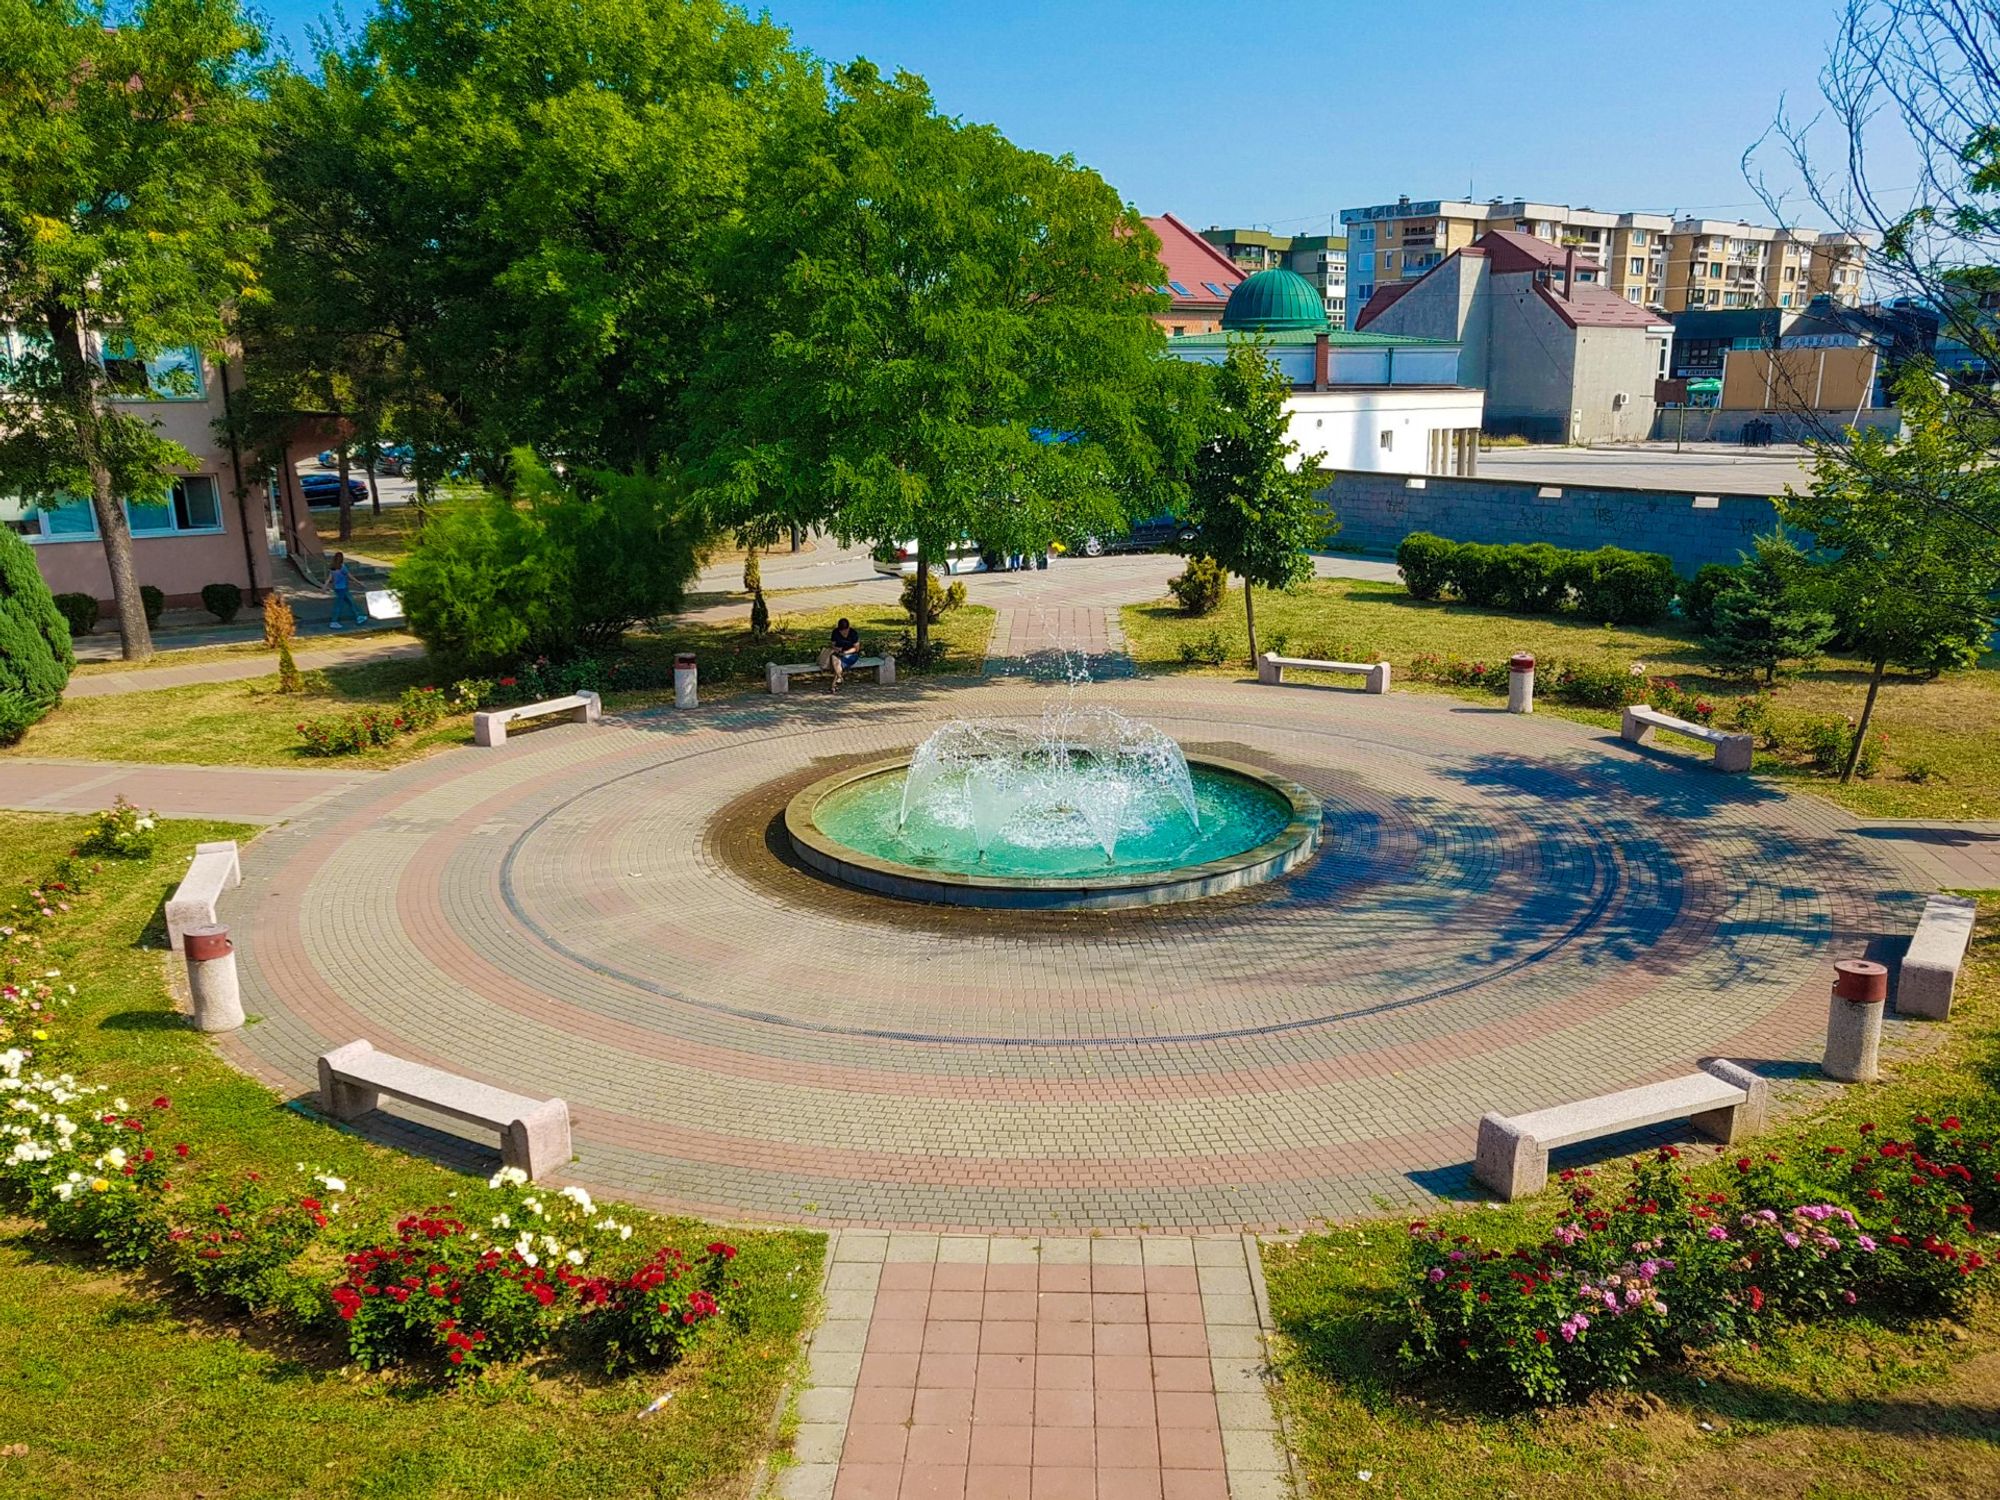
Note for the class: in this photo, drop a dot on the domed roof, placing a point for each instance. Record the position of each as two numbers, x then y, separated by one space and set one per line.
1275 301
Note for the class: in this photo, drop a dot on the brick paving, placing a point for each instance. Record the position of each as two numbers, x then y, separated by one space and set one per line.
243 794
972 1368
340 650
1506 913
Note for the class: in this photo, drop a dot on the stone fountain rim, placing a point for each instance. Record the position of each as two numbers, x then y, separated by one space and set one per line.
1291 847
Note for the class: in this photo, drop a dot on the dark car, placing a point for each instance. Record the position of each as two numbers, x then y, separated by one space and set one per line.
1153 534
324 489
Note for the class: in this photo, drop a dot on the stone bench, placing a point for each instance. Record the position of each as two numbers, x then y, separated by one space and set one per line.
490 728
1723 1101
1271 670
1732 751
534 1133
778 675
1929 971
215 869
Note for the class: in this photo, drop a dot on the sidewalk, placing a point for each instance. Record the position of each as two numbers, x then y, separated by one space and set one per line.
366 645
242 794
183 628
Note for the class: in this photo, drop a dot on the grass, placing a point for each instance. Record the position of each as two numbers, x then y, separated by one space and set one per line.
250 723
386 538
117 1384
1846 1408
194 656
1943 758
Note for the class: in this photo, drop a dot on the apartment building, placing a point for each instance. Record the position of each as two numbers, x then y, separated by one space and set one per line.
1320 258
1650 259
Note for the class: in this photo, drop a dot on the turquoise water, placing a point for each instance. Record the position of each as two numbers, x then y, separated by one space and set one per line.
1153 834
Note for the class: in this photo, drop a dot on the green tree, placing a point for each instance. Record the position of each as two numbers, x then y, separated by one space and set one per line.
1769 613
1911 528
130 214
35 655
560 566
1252 498
927 332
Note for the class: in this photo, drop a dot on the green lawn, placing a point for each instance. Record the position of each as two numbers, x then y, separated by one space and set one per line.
1943 757
250 723
119 1385
305 648
1849 1408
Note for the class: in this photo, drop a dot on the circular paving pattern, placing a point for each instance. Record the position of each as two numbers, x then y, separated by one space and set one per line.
1504 913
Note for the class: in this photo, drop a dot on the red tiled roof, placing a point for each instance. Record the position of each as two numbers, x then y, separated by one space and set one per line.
1384 298
1193 261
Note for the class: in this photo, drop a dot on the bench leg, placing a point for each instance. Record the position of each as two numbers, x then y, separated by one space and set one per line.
337 1097
885 675
1378 678
1924 990
1267 670
1734 753
186 912
538 1142
1735 1122
1632 729
777 683
592 711
489 730
1513 1165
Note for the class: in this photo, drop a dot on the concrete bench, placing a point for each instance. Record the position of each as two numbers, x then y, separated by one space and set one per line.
215 869
1732 751
1271 670
778 675
491 728
1723 1101
534 1133
1930 969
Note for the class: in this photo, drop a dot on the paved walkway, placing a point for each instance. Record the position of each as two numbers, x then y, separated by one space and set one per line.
967 1368
1505 913
241 794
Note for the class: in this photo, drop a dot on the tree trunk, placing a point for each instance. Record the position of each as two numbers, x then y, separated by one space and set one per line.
1861 729
79 385
1250 619
346 500
795 537
923 606
374 492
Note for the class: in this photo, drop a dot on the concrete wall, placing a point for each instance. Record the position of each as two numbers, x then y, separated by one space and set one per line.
1706 424
1611 362
1531 373
1376 511
1344 428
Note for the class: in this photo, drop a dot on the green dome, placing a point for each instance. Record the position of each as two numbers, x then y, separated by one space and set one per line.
1275 301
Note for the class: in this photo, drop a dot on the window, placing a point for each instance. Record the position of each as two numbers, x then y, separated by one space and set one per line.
1179 290
41 521
1636 266
1219 291
194 506
170 375
1388 440
1638 236
1784 299
1715 271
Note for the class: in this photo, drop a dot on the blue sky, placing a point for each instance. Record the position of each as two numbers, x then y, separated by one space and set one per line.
1279 112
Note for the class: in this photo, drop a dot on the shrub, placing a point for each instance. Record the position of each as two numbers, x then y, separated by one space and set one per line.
350 733
1621 587
646 1319
153 602
1451 671
35 655
1768 615
238 1245
1821 738
1208 650
420 708
1669 697
1426 563
1589 684
1477 575
80 610
1699 593
1201 587
935 597
279 623
1532 577
223 600
760 614
566 567
122 832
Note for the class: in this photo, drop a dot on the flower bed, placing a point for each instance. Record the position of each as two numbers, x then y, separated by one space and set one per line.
418 709
1686 1258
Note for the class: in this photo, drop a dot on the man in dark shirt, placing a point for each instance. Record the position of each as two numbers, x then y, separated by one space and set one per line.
845 650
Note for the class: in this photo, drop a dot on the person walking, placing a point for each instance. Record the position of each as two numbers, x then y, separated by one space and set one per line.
342 583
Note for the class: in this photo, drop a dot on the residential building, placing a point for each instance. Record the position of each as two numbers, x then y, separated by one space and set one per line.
1561 355
1199 278
1826 358
219 523
1360 401
1320 258
1652 259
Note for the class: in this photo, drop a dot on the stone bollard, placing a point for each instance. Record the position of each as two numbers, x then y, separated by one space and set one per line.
684 680
211 964
1521 684
1854 1020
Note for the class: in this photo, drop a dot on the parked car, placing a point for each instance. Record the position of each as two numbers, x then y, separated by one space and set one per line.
328 459
900 559
1153 534
324 489
393 459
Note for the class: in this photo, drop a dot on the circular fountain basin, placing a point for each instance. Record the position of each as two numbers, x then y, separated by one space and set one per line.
1253 827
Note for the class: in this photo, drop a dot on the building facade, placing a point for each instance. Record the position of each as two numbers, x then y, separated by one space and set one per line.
1561 355
1650 259
219 523
1200 278
1320 258
1362 402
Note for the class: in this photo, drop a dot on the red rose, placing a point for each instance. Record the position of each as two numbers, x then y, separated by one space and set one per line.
162 1102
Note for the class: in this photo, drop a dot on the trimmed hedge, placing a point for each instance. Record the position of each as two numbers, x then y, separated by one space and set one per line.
80 610
223 600
1610 584
153 602
35 656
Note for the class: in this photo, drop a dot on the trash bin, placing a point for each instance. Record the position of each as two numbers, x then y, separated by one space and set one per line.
684 680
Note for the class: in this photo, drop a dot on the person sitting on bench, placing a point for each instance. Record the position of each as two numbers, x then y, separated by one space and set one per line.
844 651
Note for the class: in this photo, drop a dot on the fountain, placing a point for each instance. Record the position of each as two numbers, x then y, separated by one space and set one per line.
1083 808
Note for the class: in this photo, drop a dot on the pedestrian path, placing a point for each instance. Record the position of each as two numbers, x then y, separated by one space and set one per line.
1054 642
383 645
963 1367
1950 856
242 794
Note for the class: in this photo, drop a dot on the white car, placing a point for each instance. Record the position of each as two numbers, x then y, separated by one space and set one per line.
900 560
